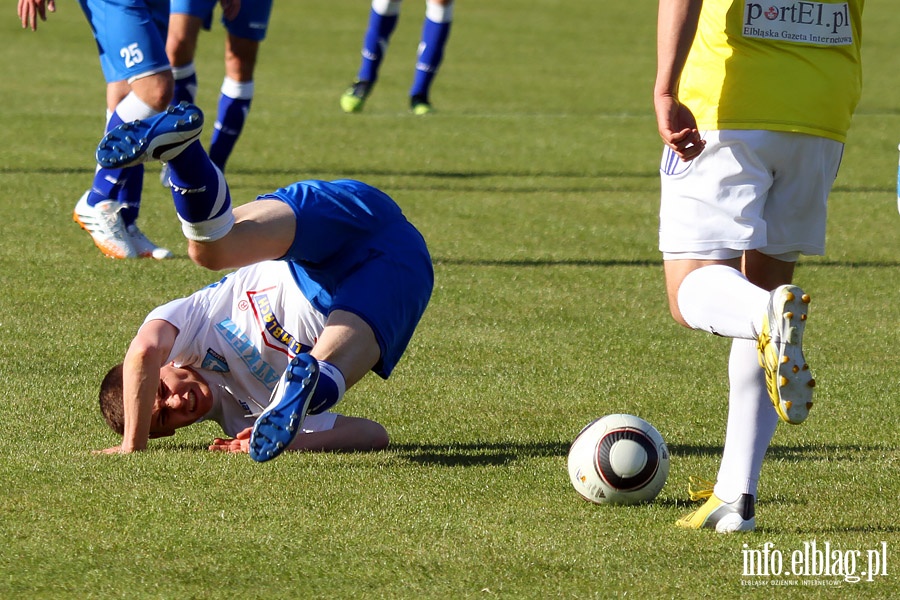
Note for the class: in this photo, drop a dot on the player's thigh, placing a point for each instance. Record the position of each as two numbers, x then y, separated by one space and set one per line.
181 42
716 201
390 291
130 36
263 230
252 22
349 343
797 205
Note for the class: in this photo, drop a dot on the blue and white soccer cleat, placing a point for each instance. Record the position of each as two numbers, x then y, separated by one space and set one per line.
161 137
280 423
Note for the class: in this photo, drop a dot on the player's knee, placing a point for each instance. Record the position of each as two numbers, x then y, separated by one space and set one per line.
208 255
157 91
677 316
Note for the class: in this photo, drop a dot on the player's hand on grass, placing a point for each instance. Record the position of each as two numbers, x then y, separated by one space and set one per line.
240 443
30 10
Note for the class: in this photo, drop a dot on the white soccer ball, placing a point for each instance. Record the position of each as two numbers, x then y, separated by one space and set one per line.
618 459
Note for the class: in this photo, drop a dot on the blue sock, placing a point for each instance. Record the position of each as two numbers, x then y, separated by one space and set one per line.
431 53
329 390
201 196
375 44
108 183
185 84
232 113
130 194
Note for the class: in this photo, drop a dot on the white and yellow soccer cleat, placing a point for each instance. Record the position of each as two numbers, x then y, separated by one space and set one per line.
788 379
723 517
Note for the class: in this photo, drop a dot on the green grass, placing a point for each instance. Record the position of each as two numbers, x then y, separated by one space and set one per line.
536 187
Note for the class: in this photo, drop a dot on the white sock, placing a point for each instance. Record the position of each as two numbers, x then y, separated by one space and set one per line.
438 13
751 424
237 89
722 301
132 108
387 8
184 71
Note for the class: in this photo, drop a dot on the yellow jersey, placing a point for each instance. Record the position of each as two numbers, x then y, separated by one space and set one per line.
782 65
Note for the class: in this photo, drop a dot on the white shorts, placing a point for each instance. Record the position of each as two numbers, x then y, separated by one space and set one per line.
748 190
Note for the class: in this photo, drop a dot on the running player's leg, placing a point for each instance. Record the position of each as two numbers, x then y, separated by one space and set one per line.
435 32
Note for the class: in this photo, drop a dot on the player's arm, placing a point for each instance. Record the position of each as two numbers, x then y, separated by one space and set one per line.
676 28
148 352
30 10
348 434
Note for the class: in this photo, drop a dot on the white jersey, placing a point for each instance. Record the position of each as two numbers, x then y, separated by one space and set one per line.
239 335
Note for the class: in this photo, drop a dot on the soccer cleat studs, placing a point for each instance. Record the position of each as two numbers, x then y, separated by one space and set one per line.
788 379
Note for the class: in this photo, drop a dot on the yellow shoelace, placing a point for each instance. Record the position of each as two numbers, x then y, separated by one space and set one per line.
699 488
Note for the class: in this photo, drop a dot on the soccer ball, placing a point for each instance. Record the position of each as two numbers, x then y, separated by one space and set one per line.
618 459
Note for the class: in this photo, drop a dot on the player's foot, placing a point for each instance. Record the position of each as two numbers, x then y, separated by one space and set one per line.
419 105
354 98
161 137
780 345
724 517
104 222
280 423
144 247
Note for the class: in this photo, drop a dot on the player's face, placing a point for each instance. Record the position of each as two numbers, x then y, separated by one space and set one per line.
181 399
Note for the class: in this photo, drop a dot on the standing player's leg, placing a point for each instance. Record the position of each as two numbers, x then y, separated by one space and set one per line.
139 84
383 18
245 33
181 47
235 97
435 32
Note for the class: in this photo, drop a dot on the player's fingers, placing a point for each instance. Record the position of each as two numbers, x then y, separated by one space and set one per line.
26 14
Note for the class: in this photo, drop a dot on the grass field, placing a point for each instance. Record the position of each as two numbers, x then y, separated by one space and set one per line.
536 187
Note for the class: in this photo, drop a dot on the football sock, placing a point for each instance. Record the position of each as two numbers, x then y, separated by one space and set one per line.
722 301
382 20
130 193
234 104
751 424
329 390
201 195
185 84
435 31
108 183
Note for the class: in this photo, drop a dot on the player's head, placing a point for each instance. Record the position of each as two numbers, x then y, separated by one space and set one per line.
182 398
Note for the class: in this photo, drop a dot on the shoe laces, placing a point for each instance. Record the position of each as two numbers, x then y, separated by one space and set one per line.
361 89
699 488
114 223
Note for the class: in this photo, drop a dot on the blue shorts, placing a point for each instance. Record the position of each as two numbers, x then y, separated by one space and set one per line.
355 251
251 22
130 35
